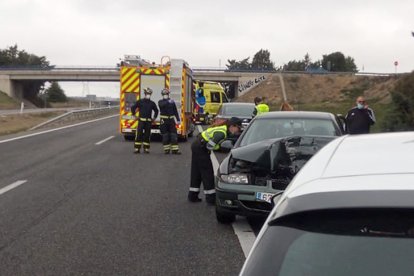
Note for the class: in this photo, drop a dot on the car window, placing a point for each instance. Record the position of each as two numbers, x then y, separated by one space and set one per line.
238 110
263 129
380 244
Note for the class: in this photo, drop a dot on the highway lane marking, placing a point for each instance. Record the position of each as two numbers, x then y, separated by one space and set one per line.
245 234
12 186
241 227
55 129
104 140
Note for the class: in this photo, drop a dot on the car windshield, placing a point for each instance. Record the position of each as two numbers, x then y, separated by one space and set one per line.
237 110
352 244
263 129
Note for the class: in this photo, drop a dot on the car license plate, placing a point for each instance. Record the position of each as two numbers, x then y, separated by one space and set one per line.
155 131
264 196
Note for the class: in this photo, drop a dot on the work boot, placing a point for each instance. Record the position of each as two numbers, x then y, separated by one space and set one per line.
176 152
136 150
146 151
167 152
193 198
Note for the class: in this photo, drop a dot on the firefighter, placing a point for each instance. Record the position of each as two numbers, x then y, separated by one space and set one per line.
260 108
201 166
145 107
168 111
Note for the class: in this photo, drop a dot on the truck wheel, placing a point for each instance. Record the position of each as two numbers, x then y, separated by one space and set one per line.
224 218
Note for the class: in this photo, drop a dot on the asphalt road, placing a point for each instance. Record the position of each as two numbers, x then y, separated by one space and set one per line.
97 209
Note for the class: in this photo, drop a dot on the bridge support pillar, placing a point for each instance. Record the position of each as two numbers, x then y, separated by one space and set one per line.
10 87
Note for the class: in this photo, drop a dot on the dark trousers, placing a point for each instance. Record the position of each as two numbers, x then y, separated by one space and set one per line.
169 135
201 171
143 133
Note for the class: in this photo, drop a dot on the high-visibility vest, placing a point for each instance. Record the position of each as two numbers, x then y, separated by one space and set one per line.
262 108
208 134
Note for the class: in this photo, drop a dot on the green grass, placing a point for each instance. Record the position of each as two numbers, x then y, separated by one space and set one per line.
7 102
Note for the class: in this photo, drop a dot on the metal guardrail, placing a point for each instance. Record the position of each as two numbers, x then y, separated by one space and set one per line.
77 114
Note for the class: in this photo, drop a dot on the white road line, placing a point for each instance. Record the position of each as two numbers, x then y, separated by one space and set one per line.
245 234
12 186
241 227
104 140
55 129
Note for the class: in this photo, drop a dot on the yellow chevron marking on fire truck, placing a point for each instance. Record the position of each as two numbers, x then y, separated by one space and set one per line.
167 81
182 99
130 85
129 78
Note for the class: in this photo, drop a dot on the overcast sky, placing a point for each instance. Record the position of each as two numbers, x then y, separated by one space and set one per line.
90 32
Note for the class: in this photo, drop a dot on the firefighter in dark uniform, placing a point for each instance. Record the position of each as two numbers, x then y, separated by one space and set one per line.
168 111
145 107
201 166
360 118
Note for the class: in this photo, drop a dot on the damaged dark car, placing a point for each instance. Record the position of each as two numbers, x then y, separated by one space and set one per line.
257 169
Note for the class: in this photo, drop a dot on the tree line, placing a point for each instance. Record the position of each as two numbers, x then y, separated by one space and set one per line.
333 62
34 90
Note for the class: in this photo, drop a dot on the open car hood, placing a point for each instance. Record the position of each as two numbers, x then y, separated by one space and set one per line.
272 153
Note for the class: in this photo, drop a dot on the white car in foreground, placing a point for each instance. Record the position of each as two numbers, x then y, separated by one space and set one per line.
349 211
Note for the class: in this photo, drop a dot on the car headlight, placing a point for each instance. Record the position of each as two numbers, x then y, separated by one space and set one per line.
235 178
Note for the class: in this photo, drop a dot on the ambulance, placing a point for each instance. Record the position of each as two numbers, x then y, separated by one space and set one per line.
137 74
209 96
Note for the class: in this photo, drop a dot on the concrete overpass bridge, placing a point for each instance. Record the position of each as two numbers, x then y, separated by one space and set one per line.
11 79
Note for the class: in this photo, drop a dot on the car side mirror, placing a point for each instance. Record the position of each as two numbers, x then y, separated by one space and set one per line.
227 145
276 198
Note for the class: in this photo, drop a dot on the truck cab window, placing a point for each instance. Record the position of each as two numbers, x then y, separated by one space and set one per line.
215 97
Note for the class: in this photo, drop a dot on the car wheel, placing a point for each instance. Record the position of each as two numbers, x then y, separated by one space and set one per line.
224 218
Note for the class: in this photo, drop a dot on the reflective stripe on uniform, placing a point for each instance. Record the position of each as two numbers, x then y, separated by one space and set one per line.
138 143
167 147
166 117
194 189
211 143
145 119
210 192
174 147
146 144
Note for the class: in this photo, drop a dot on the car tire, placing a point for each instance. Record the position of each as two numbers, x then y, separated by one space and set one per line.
224 218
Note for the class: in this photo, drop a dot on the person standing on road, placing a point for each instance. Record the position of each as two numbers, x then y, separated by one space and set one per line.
260 108
360 118
143 133
168 111
201 166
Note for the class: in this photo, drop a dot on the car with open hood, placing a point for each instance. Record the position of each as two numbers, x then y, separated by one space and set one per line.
349 211
266 157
